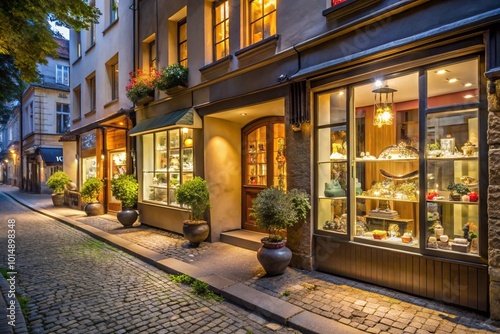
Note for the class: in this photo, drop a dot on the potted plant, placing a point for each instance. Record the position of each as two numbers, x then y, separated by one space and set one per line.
457 190
56 183
90 191
140 86
173 77
194 195
275 211
125 189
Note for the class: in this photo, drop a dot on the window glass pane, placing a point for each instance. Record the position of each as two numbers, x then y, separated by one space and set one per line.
255 10
270 25
453 181
332 107
256 170
386 162
453 84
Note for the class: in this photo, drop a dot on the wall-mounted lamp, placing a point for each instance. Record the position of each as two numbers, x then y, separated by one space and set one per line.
297 127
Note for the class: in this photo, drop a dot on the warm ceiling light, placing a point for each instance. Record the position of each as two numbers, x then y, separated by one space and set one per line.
379 83
467 84
243 114
468 96
384 106
441 72
184 130
452 80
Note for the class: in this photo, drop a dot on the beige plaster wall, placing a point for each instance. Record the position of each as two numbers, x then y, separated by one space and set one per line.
223 174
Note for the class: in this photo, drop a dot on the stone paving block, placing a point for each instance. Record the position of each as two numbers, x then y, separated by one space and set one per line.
307 322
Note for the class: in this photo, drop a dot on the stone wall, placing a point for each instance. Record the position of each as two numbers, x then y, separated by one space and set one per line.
298 162
494 196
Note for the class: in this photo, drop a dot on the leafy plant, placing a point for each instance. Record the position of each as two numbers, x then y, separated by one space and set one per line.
194 194
125 188
58 181
140 85
198 287
91 189
458 188
274 210
171 76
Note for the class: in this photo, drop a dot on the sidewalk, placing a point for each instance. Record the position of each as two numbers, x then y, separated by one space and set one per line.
311 302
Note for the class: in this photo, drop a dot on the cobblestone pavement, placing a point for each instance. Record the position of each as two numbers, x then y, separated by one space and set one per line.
77 284
363 306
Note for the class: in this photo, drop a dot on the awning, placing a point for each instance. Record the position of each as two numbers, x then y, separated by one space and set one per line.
187 117
52 155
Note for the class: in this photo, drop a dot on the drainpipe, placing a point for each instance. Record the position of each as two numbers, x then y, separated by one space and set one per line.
21 154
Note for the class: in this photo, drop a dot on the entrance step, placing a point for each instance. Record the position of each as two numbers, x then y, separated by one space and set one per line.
243 238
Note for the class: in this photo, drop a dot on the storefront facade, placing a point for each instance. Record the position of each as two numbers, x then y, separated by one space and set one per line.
379 162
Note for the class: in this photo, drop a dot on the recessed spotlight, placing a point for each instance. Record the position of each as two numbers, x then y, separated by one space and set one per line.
379 83
468 96
243 114
441 71
467 84
341 93
452 80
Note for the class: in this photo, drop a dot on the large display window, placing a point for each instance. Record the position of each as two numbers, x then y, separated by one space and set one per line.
167 163
398 160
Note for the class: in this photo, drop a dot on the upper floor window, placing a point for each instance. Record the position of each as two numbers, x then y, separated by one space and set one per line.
31 117
92 92
62 75
262 19
113 4
114 81
77 103
221 29
152 54
182 42
78 44
63 117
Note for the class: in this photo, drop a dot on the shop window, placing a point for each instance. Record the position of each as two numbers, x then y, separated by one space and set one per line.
379 183
89 168
167 163
221 29
332 162
262 19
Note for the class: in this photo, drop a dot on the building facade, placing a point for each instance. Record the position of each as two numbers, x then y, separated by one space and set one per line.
285 93
10 149
101 59
45 117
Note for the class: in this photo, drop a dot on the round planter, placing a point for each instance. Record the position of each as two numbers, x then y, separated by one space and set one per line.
195 232
127 216
94 209
274 257
58 199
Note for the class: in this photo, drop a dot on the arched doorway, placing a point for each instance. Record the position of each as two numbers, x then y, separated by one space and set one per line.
263 162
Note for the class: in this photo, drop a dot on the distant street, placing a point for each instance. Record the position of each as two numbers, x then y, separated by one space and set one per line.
76 284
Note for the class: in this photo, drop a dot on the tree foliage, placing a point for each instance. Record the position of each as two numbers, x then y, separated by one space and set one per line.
26 35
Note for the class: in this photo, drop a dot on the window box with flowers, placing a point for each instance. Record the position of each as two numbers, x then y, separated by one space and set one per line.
172 79
141 86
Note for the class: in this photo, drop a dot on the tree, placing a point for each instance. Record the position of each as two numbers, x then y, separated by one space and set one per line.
26 36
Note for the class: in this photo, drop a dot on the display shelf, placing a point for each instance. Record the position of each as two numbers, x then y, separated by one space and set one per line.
452 202
387 199
337 161
387 160
333 198
452 158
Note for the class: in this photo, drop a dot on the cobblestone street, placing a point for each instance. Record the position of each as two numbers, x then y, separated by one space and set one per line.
77 284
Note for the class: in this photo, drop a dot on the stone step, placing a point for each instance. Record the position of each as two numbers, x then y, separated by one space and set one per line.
243 238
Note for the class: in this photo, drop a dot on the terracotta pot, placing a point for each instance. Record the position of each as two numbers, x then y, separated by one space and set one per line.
127 217
274 257
94 209
58 199
195 232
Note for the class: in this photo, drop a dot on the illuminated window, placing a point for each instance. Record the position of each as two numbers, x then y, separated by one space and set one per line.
221 29
262 19
182 42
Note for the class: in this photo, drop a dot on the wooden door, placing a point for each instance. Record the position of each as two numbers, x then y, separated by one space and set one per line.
263 162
